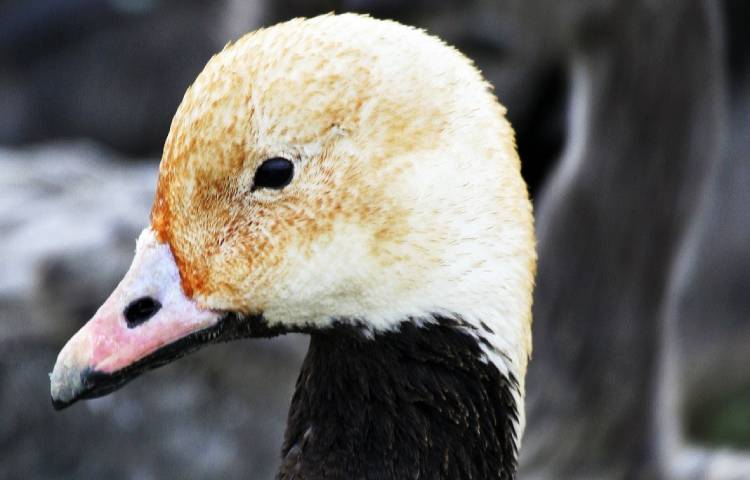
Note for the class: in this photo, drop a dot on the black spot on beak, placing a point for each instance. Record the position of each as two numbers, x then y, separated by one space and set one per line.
139 311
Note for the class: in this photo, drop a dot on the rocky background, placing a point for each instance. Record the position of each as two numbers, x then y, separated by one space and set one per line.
633 124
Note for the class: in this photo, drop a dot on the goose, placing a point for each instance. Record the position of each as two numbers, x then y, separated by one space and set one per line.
355 180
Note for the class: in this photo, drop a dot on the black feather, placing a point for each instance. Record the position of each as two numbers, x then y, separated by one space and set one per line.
413 403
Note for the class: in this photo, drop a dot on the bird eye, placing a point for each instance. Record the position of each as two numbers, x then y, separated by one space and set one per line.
273 173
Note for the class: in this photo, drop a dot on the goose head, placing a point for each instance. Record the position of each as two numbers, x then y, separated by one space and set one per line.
326 172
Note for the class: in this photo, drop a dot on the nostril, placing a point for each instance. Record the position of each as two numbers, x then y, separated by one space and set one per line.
140 310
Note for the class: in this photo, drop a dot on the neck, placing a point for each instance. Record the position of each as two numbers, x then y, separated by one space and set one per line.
417 402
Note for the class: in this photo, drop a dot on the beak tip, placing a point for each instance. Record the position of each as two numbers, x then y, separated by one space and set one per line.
60 404
66 385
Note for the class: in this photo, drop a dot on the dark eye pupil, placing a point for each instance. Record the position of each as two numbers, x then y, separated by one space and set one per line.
273 173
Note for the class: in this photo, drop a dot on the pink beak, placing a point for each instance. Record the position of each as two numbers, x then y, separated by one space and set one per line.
146 322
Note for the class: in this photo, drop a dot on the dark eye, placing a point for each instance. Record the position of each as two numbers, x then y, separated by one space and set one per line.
274 173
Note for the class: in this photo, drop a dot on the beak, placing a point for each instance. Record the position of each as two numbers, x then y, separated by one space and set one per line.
146 322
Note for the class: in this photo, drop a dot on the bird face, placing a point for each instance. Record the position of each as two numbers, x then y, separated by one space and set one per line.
338 169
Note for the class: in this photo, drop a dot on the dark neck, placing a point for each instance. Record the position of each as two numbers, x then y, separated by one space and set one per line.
413 403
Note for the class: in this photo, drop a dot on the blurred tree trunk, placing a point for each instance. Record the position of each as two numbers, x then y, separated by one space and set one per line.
645 119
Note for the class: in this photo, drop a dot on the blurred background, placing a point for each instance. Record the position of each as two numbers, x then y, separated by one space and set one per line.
633 125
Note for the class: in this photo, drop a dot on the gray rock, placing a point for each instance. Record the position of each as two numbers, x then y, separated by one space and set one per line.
69 214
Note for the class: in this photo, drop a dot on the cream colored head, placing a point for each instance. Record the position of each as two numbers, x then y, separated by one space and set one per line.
406 199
